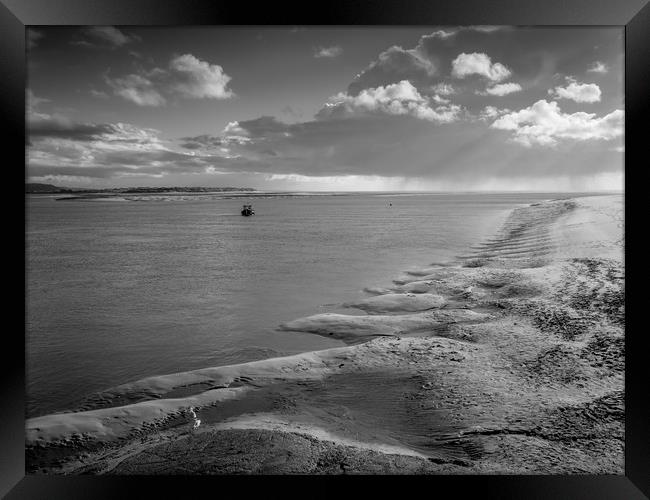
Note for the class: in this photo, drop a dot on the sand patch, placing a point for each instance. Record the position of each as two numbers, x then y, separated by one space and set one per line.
398 302
355 328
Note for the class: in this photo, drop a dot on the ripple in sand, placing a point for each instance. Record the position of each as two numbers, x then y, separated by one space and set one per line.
398 302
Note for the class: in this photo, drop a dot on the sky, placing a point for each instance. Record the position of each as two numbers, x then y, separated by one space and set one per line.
427 108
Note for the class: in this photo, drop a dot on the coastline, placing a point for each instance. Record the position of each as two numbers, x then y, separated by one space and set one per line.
509 360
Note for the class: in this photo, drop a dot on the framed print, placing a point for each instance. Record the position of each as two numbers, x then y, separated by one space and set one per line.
375 240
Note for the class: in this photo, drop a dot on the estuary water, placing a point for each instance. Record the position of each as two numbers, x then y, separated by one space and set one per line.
121 289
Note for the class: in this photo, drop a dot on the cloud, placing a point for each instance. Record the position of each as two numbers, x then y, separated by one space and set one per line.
105 36
46 125
401 114
61 146
430 56
201 142
491 112
32 101
545 124
240 133
501 89
264 125
443 34
443 89
197 79
578 92
244 133
393 65
137 89
128 133
339 144
33 37
100 94
377 144
478 64
397 99
186 76
487 28
294 113
598 67
328 52
440 100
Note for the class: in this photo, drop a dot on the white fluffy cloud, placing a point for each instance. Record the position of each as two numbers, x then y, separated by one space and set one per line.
502 89
397 99
545 124
443 89
137 89
199 79
186 76
578 92
492 112
233 132
440 100
598 67
328 52
478 64
443 34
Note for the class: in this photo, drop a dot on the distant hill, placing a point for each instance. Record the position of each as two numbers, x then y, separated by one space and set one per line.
33 187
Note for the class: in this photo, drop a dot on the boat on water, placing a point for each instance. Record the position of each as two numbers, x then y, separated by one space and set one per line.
247 210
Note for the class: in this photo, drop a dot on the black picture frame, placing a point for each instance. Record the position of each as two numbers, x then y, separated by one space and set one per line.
634 15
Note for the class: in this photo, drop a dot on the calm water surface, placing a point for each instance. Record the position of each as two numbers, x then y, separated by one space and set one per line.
121 290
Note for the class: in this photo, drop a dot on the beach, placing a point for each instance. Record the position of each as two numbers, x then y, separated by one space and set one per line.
506 360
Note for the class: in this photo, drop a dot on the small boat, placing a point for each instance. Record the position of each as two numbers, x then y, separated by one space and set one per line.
247 210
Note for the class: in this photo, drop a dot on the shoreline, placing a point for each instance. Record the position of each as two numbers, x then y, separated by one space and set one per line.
509 360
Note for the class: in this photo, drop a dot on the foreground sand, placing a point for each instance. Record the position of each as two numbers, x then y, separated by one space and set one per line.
510 360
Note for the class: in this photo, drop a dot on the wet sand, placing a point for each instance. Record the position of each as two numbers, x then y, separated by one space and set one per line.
509 360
